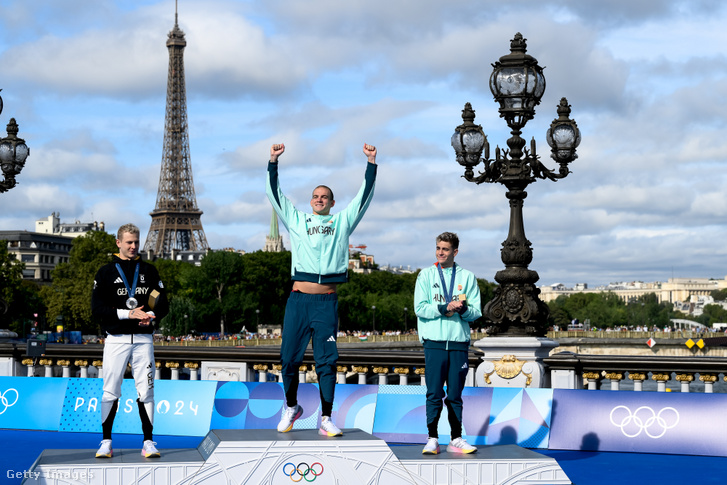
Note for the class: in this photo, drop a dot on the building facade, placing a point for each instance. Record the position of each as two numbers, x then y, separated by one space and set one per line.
40 252
53 225
672 291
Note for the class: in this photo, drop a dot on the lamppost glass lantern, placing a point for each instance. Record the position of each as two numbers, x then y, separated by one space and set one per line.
13 152
563 136
469 140
518 84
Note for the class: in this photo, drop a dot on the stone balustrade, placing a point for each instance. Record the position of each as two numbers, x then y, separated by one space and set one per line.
612 372
372 366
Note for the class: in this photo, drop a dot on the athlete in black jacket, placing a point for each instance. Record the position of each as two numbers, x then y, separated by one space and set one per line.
128 297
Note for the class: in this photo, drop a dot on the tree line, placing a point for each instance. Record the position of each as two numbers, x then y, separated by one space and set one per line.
604 310
239 292
228 290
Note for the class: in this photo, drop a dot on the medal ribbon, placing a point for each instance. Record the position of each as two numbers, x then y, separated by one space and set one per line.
447 296
131 292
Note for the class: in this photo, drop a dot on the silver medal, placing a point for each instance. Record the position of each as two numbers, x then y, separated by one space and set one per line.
132 303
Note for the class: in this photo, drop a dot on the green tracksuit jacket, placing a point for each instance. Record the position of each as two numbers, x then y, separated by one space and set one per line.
320 243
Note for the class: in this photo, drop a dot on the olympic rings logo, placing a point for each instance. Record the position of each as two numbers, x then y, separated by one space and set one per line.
5 402
644 419
298 471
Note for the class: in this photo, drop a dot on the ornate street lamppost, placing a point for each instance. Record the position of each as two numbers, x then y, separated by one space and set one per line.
518 84
13 152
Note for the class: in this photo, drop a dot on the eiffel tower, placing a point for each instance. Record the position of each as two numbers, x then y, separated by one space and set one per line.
175 220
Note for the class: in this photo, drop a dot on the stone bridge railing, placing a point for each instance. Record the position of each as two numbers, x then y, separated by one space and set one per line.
376 364
626 372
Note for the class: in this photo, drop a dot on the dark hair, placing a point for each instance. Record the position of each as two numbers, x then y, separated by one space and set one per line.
326 187
450 238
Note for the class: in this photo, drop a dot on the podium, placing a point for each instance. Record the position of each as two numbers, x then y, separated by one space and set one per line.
266 457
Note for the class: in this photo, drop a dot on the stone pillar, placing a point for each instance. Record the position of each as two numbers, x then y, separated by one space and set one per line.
403 375
709 380
592 379
98 364
48 363
262 370
513 362
661 380
66 365
174 366
303 374
341 374
383 375
469 381
31 367
685 379
361 371
158 370
420 372
278 371
565 379
638 378
83 366
615 378
193 370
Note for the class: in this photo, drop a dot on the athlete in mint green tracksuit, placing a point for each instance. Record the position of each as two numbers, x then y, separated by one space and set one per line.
446 300
319 247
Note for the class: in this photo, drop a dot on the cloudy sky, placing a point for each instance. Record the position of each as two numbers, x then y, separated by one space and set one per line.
647 80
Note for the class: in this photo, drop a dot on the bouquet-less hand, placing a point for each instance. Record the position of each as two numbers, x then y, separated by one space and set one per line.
275 151
144 317
453 307
370 152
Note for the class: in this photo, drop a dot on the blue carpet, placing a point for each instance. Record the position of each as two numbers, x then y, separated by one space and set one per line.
20 449
596 468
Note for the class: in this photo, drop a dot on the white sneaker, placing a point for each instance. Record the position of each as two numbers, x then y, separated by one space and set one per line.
328 428
459 445
149 450
290 415
105 450
431 448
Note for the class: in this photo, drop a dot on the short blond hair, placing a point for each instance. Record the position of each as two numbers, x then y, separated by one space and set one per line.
130 228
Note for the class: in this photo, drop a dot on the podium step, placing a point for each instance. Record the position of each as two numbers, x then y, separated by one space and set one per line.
266 457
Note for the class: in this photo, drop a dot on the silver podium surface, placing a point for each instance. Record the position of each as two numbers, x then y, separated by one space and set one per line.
266 457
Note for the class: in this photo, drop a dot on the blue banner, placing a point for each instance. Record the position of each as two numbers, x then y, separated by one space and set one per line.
259 405
490 416
401 415
514 416
182 408
31 403
645 422
354 406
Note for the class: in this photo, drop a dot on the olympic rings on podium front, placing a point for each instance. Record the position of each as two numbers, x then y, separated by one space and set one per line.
298 473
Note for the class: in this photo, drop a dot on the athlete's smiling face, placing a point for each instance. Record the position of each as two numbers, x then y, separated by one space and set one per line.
128 245
445 254
322 201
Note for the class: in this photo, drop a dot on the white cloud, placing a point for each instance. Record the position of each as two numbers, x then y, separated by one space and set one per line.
86 82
